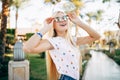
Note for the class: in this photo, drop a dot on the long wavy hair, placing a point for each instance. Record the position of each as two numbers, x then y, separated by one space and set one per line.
52 73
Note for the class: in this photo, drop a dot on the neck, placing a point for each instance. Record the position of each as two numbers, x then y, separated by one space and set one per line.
61 34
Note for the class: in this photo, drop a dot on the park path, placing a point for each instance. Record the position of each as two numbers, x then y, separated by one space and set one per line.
101 67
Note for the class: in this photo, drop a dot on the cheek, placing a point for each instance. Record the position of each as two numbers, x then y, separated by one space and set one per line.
55 25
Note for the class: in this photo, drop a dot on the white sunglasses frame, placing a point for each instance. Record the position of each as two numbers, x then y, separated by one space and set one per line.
59 19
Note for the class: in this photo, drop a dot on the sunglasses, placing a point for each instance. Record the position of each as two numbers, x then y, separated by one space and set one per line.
59 19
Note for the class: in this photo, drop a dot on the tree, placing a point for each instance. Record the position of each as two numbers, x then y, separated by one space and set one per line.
4 15
17 4
118 23
106 1
95 15
52 1
3 26
118 1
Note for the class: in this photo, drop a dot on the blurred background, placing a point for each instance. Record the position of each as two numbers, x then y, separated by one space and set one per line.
20 19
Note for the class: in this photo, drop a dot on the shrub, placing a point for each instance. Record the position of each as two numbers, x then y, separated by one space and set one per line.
28 35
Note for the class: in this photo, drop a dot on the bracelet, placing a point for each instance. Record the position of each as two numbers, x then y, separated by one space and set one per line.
39 34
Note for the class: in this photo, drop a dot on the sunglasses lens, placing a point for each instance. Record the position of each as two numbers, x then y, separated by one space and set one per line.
56 19
64 18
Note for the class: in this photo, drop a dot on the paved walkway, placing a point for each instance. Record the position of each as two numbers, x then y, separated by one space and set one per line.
101 67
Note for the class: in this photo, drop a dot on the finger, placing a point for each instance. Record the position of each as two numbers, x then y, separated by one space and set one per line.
51 19
48 20
70 15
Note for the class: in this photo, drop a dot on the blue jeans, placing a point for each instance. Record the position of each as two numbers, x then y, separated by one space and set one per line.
65 77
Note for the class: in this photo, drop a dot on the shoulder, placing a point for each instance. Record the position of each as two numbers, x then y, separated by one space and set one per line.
56 41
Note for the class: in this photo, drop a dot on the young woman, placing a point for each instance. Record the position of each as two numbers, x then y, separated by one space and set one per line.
62 51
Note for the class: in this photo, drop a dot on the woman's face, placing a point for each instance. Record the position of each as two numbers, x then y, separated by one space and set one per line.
60 22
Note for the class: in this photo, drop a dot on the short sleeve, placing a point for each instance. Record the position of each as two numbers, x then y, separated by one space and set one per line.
54 42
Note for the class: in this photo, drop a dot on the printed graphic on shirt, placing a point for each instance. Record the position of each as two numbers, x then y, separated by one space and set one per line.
65 57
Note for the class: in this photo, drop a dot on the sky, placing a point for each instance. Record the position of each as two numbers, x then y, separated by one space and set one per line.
34 12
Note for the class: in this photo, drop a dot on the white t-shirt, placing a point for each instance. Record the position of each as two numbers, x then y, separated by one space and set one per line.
65 57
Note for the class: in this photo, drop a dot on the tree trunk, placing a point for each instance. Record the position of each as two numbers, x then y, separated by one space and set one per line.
5 11
16 24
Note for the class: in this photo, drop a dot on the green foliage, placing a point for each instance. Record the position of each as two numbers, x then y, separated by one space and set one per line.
52 1
1 39
11 31
117 52
4 59
106 1
10 36
85 61
42 55
118 1
4 67
112 41
9 40
37 67
115 57
28 35
95 15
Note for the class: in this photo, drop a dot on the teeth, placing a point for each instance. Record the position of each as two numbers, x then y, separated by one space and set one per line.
62 24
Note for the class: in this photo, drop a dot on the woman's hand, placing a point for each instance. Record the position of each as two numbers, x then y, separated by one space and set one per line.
48 24
73 17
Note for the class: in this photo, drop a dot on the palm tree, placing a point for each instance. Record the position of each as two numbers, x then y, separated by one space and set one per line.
17 4
3 26
52 1
4 15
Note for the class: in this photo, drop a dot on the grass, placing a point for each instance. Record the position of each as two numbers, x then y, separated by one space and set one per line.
38 65
37 68
115 56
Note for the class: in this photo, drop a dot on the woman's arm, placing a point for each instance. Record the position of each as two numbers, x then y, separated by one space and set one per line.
35 41
93 35
41 47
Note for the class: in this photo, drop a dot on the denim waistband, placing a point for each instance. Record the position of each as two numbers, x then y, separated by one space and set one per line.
65 77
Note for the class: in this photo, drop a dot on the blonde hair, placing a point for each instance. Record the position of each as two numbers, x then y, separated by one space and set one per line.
52 73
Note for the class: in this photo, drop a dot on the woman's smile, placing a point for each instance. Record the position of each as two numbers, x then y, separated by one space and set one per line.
63 24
